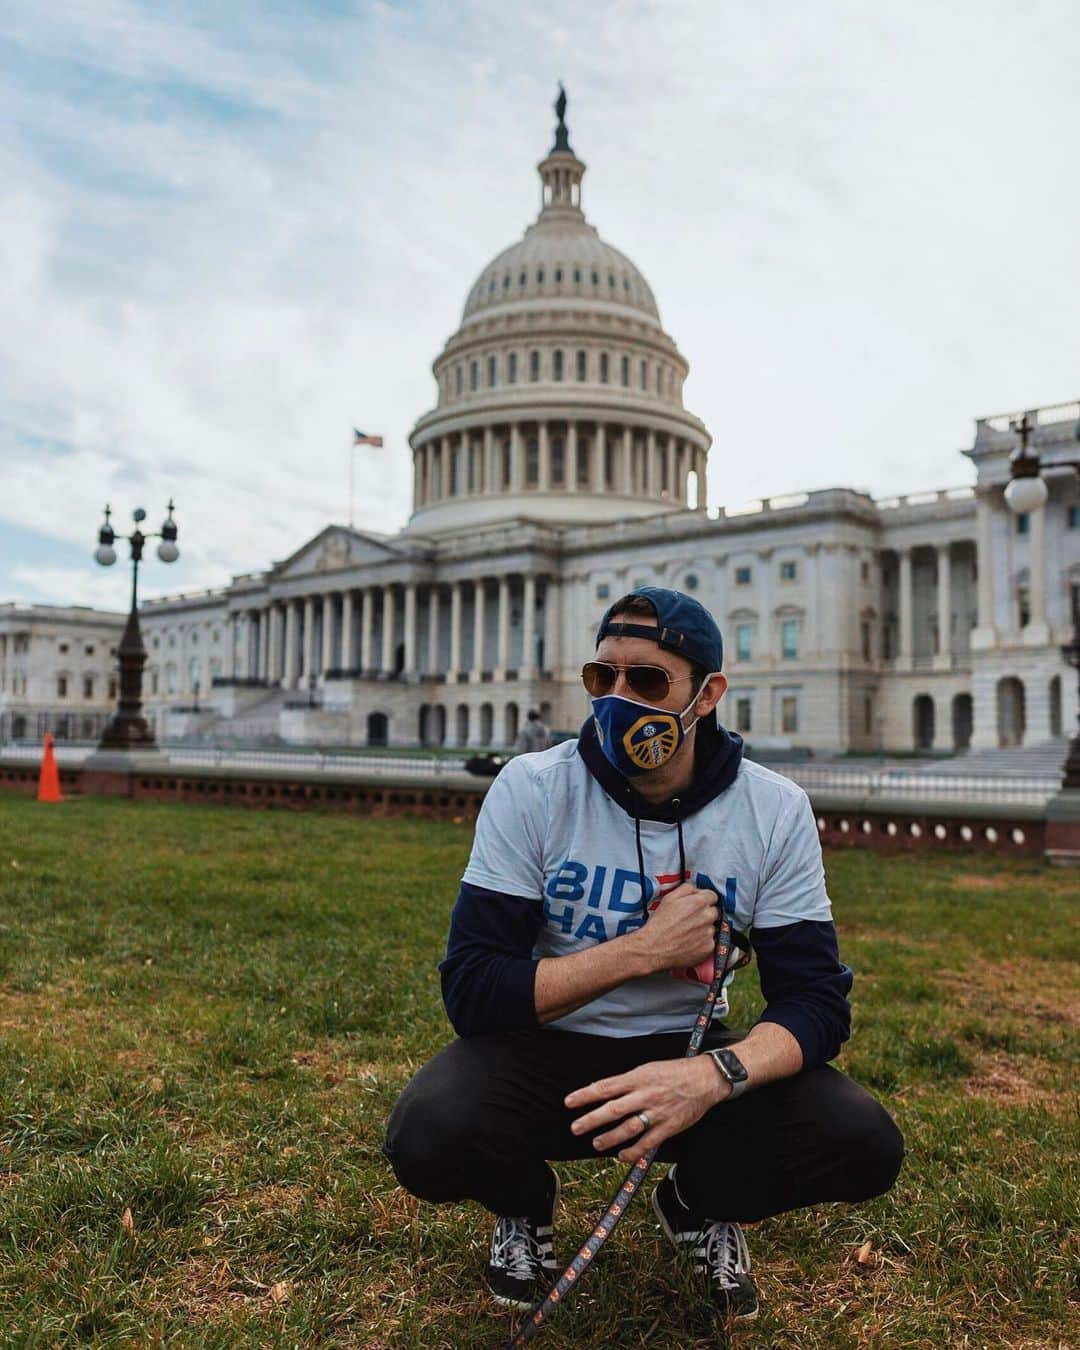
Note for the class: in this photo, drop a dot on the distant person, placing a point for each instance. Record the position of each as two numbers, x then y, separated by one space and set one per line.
534 735
573 977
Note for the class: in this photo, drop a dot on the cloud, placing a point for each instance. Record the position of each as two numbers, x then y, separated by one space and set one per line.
227 236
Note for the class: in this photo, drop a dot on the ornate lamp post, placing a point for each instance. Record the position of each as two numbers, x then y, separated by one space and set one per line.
1027 492
127 729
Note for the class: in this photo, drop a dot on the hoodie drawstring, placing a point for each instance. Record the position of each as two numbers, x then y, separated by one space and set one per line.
677 804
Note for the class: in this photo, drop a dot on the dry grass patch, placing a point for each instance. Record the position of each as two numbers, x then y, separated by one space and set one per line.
1013 1080
1045 990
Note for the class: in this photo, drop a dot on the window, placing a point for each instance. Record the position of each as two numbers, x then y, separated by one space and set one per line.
534 366
1074 517
557 365
1074 604
215 636
1023 524
691 582
789 639
61 686
63 647
154 681
1023 606
659 379
506 281
532 462
491 372
603 367
789 714
625 363
789 571
743 576
577 275
743 714
743 637
595 278
156 643
194 639
864 572
866 634
603 591
582 365
644 374
88 686
558 461
558 275
523 276
89 650
112 686
539 276
458 378
474 374
611 280
511 368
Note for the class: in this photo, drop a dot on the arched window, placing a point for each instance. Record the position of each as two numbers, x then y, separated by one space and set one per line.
557 365
492 370
558 275
577 276
458 379
474 374
644 374
534 366
582 365
625 364
604 367
539 276
511 368
595 278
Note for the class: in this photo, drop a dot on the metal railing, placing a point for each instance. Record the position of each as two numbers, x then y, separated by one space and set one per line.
921 785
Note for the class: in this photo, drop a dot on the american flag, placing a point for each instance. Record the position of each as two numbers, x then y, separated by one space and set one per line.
362 438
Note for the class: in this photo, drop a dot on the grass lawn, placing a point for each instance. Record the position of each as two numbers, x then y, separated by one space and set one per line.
206 1014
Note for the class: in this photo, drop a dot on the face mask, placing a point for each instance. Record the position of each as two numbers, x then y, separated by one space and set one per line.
636 737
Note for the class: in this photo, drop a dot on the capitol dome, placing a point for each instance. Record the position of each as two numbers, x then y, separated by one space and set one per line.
560 395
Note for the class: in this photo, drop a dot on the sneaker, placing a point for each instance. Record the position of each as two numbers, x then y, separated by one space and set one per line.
718 1251
521 1267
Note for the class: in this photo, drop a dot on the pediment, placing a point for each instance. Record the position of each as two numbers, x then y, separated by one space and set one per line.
333 548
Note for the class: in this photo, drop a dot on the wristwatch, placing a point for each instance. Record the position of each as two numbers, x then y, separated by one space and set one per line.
733 1069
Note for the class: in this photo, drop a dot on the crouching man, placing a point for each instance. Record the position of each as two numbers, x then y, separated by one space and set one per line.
579 952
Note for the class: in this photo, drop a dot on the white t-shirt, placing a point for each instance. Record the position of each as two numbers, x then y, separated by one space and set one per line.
549 831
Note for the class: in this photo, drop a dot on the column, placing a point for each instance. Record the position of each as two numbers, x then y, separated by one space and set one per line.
230 646
410 630
544 453
264 639
291 651
418 479
502 659
570 453
432 486
454 664
528 629
905 616
478 629
984 562
327 633
386 665
348 635
551 624
650 487
627 462
943 657
274 667
309 636
599 459
517 459
367 606
702 480
668 476
433 630
489 484
1037 634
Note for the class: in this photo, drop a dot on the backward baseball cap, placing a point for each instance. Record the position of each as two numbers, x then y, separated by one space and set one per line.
684 626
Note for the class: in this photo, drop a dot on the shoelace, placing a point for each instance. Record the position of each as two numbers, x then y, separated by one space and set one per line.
515 1249
725 1253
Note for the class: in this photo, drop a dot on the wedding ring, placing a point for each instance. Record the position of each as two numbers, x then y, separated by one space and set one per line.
645 1121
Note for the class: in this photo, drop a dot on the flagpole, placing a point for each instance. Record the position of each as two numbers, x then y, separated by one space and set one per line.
352 460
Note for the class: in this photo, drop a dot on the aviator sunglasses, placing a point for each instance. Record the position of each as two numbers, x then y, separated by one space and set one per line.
651 683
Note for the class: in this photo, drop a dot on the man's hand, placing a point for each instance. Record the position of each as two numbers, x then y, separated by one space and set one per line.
673 1093
681 931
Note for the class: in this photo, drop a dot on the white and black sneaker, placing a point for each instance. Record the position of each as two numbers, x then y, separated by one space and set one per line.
718 1251
521 1267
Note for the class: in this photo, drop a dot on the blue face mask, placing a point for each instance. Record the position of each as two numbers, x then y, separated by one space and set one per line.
637 737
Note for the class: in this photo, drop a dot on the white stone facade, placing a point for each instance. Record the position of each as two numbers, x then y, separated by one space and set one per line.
559 470
57 670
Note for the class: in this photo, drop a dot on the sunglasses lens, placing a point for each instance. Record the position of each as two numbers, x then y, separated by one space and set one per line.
648 682
598 678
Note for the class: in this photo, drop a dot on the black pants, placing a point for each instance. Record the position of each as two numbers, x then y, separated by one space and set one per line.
481 1120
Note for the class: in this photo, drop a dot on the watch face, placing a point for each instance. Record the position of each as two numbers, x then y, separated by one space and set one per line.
731 1065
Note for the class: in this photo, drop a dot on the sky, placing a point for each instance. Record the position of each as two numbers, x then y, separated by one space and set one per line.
229 234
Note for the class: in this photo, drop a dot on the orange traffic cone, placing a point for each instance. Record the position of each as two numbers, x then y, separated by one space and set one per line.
49 782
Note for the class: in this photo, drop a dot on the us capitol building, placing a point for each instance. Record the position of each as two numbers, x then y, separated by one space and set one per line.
559 469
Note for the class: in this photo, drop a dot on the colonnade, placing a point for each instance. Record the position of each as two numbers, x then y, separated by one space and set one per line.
947 645
558 455
468 630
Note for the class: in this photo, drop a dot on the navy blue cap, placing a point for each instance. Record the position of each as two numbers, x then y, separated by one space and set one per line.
684 625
